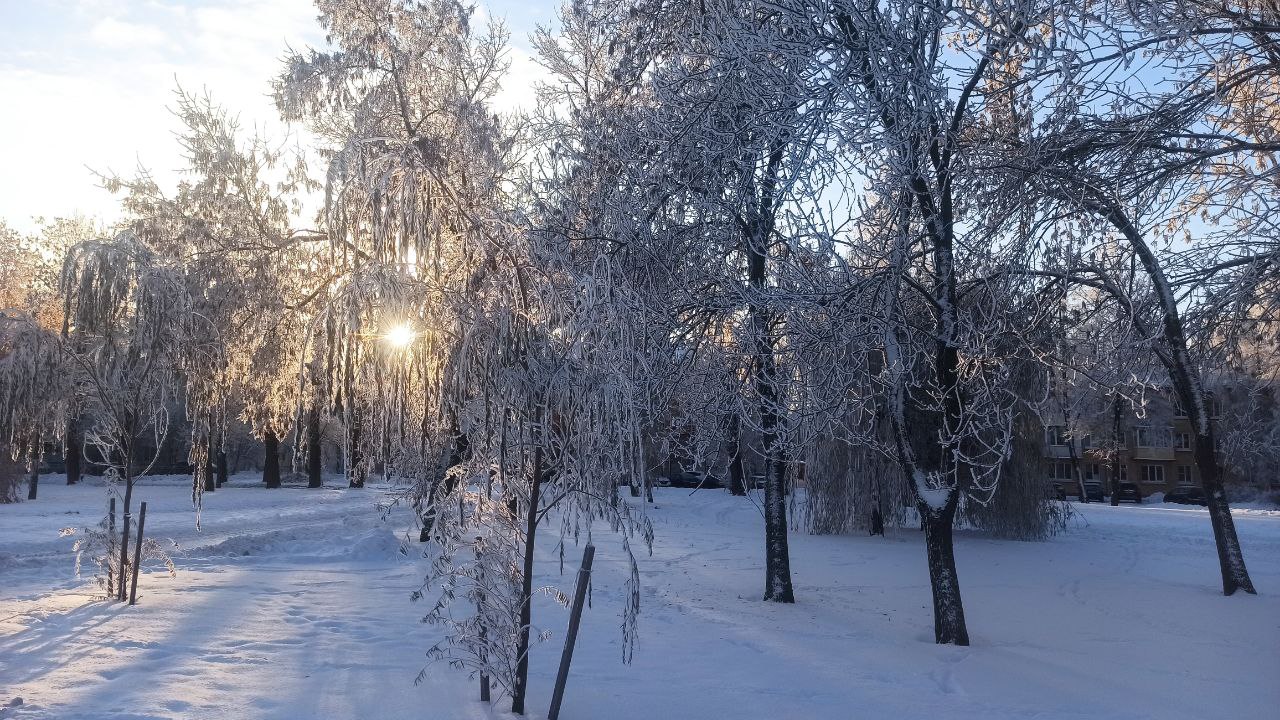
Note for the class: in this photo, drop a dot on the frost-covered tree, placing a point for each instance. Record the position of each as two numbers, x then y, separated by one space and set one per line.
1126 159
232 228
131 315
918 111
488 392
29 288
726 163
36 392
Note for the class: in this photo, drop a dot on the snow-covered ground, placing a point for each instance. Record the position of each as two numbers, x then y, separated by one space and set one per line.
294 603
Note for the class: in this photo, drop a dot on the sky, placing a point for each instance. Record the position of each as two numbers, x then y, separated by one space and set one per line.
85 86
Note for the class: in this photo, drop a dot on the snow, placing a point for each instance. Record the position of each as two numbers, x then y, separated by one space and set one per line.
293 603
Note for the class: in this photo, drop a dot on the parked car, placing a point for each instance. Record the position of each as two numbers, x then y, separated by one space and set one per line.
1187 495
1093 491
1129 492
693 480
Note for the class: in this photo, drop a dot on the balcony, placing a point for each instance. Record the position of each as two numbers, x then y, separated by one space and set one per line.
1152 453
1057 451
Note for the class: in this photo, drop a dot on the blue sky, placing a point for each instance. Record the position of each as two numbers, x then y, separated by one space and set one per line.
86 84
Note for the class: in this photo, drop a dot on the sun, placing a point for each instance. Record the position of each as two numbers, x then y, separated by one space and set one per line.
400 336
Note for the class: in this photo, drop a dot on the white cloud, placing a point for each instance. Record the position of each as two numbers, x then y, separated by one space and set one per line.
86 83
72 104
113 33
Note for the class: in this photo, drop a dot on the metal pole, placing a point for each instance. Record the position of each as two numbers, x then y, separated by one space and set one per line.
137 555
575 618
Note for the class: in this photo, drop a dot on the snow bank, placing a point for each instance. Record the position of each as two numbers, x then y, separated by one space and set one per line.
295 604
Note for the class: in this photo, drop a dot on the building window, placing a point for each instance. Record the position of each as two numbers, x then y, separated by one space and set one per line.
1184 475
1184 441
1124 473
1145 436
1153 474
1091 471
1061 471
1055 435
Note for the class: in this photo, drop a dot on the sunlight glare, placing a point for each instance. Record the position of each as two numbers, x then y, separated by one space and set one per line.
401 335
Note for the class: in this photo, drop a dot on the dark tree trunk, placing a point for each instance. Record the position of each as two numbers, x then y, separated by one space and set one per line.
33 477
271 460
356 470
220 464
1116 437
72 451
948 610
315 476
1187 383
444 485
737 476
210 471
1076 469
777 562
526 589
126 518
777 558
1230 557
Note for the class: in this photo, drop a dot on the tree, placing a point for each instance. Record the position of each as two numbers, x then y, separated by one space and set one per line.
727 167
35 392
945 347
1136 171
497 331
231 228
131 315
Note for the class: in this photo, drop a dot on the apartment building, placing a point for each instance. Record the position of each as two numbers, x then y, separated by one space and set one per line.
1157 454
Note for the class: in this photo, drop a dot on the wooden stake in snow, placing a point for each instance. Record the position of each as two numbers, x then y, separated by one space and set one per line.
111 533
575 617
137 555
484 631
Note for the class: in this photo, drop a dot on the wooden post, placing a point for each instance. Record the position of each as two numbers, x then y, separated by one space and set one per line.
575 618
137 555
484 631
111 533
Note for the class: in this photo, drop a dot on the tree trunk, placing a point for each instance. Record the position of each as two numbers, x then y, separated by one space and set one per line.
1116 438
1230 557
356 470
737 476
1076 470
220 460
126 517
72 451
1189 387
948 610
210 472
271 460
443 485
777 563
526 589
315 476
33 477
777 558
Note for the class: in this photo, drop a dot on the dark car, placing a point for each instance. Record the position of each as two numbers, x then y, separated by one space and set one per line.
1128 492
1186 495
1093 492
694 480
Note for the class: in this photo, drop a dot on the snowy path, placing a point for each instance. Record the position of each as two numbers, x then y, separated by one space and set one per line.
294 604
